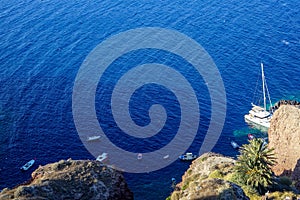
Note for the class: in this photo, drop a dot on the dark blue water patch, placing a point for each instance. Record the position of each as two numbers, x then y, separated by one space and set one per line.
7 136
145 56
157 182
43 44
139 106
145 97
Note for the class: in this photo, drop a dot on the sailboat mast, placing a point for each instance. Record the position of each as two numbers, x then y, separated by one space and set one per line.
263 85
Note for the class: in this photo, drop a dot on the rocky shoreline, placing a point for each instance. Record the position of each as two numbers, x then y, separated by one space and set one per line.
211 176
72 179
203 180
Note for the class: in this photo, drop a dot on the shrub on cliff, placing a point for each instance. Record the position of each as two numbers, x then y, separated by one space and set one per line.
254 165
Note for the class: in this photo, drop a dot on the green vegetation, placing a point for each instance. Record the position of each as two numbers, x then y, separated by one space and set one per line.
253 166
283 195
203 159
218 177
216 174
185 186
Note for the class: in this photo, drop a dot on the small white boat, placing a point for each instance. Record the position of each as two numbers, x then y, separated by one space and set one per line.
93 138
235 145
188 157
251 136
166 156
28 165
139 156
102 157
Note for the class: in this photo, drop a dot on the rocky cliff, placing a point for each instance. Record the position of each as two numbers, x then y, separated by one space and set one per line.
284 137
206 179
211 176
72 179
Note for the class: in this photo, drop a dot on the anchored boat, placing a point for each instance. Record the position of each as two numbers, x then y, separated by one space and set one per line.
188 157
260 115
251 136
234 145
28 165
93 138
102 157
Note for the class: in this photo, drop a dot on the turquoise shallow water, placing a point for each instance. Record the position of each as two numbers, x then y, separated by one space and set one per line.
43 44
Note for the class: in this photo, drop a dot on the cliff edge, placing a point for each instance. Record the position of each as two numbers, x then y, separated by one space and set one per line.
72 179
207 179
284 137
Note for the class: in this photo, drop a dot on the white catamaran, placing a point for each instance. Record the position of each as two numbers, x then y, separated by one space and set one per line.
260 115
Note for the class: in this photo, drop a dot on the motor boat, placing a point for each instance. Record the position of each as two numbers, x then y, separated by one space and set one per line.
28 165
251 136
102 157
188 157
235 145
93 138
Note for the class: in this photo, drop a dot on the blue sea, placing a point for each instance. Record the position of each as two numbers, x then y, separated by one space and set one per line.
43 44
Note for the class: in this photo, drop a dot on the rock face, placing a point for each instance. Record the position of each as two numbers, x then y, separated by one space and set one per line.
72 180
284 137
201 180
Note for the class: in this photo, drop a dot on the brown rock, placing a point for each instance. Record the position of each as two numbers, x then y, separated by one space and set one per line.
72 179
284 137
199 183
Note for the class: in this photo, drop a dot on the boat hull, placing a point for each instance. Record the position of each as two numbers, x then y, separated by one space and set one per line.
27 165
187 157
93 138
262 122
102 157
250 136
235 145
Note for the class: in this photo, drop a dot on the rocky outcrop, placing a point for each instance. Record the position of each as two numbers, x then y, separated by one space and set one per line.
285 102
72 179
205 179
284 137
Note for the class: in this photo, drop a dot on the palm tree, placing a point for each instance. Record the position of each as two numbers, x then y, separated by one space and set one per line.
254 165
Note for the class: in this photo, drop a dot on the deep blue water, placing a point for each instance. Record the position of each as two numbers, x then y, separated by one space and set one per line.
43 44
